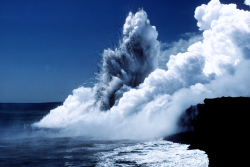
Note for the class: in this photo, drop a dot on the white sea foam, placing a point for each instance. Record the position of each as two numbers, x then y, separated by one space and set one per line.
134 99
153 153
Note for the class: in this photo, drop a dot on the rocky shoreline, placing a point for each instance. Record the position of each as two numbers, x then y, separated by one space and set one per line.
220 129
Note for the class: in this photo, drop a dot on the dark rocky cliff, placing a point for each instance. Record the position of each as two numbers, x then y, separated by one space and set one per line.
221 129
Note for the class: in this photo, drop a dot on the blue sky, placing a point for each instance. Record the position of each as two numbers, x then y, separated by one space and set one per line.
49 48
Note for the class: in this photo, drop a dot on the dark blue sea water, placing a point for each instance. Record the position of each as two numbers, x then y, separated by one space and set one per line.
22 145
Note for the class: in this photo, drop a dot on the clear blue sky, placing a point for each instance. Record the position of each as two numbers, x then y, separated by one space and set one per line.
50 47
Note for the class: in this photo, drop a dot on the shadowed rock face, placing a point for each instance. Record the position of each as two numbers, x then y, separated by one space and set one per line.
221 130
187 117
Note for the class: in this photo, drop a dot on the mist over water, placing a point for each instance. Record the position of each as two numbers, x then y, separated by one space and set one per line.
135 99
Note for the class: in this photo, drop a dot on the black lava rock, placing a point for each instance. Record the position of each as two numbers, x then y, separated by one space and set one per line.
221 129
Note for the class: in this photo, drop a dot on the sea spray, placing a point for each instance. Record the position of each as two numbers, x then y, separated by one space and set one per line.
136 100
129 64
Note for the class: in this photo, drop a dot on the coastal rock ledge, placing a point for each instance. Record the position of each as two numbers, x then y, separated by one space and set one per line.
221 129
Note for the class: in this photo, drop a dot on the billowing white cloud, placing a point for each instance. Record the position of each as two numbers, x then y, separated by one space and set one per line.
143 101
168 49
247 2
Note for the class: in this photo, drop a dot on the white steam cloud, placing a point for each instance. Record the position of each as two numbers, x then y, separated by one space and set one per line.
181 46
135 99
247 2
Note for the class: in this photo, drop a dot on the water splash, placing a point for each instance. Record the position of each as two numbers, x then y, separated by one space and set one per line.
135 99
129 64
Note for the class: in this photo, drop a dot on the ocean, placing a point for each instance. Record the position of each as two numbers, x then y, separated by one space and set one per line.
135 98
23 145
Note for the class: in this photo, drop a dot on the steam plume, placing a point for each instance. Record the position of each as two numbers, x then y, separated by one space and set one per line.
247 2
129 64
135 99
